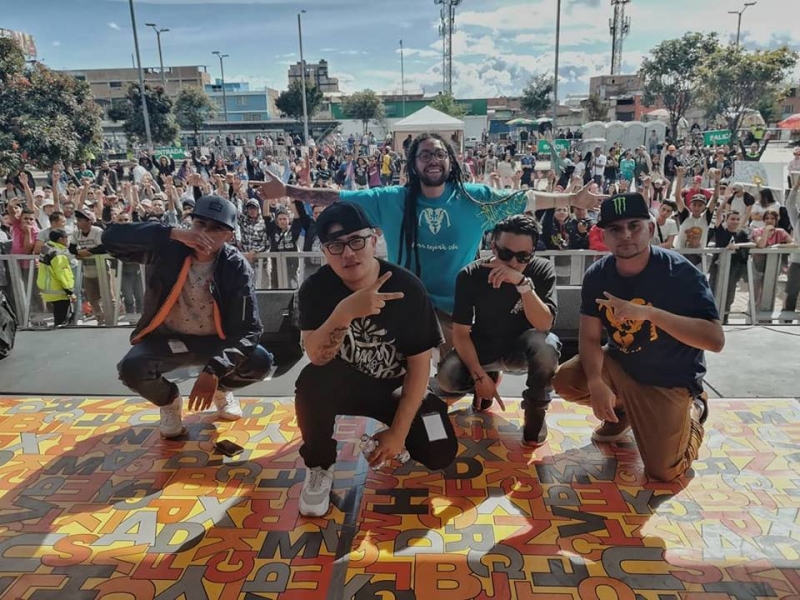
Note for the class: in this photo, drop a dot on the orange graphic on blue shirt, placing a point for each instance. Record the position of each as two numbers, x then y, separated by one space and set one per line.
626 332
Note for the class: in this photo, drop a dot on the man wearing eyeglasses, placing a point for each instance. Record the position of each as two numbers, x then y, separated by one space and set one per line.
504 308
660 317
368 328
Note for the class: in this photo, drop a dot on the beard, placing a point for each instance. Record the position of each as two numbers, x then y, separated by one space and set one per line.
434 180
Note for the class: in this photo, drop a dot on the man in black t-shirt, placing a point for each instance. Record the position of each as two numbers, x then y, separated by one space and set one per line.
503 310
368 327
660 317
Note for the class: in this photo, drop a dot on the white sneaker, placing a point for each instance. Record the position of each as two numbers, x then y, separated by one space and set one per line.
315 499
227 405
171 425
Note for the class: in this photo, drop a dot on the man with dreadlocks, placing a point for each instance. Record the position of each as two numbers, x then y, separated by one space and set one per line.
433 225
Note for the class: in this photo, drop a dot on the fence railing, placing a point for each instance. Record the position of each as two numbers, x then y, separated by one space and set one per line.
750 291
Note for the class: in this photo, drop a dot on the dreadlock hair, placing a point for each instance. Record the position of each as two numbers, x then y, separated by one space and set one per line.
409 229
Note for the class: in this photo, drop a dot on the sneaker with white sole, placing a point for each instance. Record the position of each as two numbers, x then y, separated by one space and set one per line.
171 425
315 498
227 405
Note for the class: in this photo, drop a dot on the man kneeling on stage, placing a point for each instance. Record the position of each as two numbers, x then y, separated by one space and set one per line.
504 308
199 310
368 328
660 316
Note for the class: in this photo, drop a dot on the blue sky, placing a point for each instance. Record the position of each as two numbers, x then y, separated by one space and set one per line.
498 46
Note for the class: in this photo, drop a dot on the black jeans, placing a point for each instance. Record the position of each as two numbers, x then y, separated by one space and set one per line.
792 287
324 392
737 273
131 288
142 368
61 310
532 352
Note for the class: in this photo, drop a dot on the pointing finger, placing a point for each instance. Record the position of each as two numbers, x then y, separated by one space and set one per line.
391 296
381 280
500 401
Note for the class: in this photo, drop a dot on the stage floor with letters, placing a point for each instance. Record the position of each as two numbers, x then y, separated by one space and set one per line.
94 504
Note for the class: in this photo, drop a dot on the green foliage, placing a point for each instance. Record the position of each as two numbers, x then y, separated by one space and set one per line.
671 74
290 102
733 80
365 106
163 127
193 108
537 97
47 116
596 109
447 104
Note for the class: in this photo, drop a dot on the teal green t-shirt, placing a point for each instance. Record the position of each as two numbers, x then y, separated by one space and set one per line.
450 229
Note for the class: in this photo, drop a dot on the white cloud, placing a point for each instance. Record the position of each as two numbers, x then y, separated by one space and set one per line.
114 25
422 53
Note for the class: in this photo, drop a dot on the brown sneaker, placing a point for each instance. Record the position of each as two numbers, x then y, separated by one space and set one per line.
613 432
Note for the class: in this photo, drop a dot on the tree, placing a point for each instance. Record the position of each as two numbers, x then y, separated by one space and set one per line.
364 106
163 127
733 80
290 102
596 109
47 116
671 74
537 97
193 108
445 103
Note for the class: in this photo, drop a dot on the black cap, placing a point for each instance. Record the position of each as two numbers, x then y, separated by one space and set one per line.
216 208
350 216
57 234
188 202
622 206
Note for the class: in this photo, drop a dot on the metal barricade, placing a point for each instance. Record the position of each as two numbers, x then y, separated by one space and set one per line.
745 292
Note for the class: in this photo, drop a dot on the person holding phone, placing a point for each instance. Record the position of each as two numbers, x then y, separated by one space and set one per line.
366 357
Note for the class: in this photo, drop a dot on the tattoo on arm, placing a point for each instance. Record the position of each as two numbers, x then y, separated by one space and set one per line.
318 196
328 349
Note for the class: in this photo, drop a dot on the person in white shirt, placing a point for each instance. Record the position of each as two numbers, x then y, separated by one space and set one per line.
666 229
138 173
598 166
696 218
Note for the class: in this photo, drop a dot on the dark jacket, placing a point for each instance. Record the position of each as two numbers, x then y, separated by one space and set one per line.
236 310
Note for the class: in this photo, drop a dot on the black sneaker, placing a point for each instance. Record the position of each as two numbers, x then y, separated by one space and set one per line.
534 429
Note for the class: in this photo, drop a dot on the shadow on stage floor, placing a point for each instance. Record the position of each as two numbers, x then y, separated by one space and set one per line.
93 504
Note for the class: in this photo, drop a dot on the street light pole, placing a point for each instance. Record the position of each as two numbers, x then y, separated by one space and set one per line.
739 14
402 78
145 114
555 77
303 77
222 74
160 56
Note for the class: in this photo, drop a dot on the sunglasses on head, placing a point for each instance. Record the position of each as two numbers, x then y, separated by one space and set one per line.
506 255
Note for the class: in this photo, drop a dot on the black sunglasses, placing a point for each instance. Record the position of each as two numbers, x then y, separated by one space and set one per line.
506 255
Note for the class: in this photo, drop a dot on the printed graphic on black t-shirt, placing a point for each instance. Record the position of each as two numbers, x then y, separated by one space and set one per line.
650 355
496 315
376 345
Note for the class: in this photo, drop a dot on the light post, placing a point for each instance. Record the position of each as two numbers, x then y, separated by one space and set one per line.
402 78
160 56
222 73
145 114
555 77
739 14
303 77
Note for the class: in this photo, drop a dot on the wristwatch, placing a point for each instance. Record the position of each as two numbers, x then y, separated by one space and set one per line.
526 286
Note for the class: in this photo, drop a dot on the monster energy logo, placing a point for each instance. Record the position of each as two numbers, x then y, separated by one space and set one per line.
619 204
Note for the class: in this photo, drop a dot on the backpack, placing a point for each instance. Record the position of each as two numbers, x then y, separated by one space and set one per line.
8 326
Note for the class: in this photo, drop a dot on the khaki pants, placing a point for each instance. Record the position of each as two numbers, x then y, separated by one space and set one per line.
668 438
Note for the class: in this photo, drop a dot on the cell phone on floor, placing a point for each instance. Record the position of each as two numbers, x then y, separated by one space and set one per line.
228 448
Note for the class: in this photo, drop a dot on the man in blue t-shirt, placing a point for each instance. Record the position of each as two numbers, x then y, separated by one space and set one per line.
433 225
659 315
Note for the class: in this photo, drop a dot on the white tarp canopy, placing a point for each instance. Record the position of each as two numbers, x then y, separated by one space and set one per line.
430 120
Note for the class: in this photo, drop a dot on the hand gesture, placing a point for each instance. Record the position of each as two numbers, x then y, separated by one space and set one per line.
486 389
501 273
390 444
85 182
23 179
624 310
586 198
680 170
603 401
194 239
582 227
270 189
203 391
369 301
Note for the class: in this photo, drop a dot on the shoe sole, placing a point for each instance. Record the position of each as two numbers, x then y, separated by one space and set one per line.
182 432
228 416
314 513
611 438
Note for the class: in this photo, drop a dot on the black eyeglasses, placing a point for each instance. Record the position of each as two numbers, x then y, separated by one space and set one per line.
355 244
426 156
506 255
